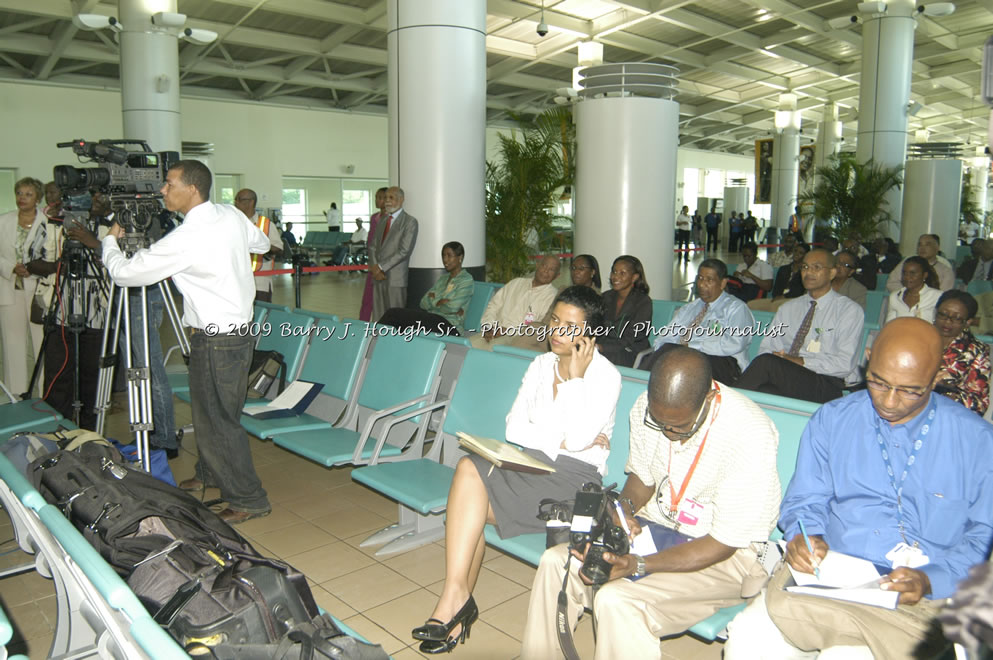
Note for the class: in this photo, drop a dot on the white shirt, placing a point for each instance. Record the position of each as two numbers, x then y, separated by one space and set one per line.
512 303
359 236
334 217
682 221
924 309
583 409
207 257
762 270
734 491
946 275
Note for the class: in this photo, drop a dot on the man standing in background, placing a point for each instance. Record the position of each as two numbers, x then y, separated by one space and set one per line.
245 202
389 254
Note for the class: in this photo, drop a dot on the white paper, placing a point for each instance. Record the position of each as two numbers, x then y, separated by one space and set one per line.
643 544
840 571
290 397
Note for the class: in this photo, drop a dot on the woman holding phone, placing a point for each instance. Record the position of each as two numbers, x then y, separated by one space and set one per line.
563 415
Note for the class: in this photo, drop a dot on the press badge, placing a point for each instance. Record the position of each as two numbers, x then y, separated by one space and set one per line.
903 555
689 512
529 318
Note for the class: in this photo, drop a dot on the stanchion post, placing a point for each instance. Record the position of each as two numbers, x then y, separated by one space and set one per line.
297 275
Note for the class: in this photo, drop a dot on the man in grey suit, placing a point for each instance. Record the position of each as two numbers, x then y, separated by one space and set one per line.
389 254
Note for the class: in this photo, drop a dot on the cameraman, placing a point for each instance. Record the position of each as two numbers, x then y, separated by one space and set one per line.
208 259
80 311
703 510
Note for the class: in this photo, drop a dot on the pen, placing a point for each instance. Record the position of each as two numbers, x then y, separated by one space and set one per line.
806 539
624 522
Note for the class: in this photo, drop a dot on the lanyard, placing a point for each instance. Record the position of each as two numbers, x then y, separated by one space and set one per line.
674 498
911 459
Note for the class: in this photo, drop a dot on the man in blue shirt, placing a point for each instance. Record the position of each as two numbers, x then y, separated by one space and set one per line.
712 221
895 475
717 324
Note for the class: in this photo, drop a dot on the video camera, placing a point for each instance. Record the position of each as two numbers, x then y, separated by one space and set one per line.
130 175
593 524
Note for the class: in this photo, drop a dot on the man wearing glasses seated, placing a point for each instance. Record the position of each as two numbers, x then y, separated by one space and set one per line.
845 282
817 350
896 475
703 483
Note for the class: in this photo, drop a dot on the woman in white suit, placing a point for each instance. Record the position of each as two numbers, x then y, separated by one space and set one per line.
25 241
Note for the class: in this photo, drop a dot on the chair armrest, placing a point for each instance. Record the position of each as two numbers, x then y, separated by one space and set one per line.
641 356
381 441
371 422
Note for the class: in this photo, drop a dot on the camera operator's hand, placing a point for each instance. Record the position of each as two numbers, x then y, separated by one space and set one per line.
83 235
116 231
621 565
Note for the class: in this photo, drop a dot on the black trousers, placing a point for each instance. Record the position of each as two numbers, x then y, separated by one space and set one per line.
683 242
711 238
404 318
734 242
775 375
61 380
723 368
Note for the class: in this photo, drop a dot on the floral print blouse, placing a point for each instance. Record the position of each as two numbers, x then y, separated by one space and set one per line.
967 360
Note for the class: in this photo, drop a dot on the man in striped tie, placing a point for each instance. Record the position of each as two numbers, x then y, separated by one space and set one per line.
811 350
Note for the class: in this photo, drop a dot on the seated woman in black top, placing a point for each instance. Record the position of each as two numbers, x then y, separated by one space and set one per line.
628 312
789 280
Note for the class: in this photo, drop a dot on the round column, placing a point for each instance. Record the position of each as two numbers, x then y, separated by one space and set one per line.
437 129
931 193
149 75
980 183
785 177
884 91
626 169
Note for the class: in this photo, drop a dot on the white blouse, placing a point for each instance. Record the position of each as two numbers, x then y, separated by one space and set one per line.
924 309
569 422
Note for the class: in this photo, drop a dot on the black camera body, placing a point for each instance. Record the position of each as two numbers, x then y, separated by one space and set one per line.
593 525
130 175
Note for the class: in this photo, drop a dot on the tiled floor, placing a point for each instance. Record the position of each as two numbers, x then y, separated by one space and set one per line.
319 518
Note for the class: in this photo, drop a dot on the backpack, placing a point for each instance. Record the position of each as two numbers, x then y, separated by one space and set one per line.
266 367
198 578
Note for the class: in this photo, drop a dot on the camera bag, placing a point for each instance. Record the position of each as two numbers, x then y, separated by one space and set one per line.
266 367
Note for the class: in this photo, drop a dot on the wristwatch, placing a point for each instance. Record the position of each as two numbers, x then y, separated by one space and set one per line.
640 570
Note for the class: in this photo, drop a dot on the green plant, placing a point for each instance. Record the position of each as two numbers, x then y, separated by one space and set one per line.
522 186
852 196
967 199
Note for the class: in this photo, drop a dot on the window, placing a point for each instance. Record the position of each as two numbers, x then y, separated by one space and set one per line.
354 204
227 195
294 205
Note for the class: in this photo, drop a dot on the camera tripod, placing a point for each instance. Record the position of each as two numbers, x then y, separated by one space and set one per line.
138 371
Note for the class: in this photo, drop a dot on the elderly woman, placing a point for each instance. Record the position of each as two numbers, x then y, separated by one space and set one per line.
27 250
965 363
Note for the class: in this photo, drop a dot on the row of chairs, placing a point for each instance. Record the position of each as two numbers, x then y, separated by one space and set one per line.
481 390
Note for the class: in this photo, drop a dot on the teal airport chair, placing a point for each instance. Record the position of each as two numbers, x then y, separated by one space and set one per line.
481 294
30 414
483 396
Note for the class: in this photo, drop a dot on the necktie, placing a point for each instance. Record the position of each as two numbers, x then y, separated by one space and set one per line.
801 334
386 230
694 323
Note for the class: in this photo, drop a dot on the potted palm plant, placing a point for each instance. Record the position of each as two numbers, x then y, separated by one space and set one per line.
852 196
535 162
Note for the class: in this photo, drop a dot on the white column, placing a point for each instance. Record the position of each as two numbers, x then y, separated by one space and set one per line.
785 175
149 75
437 123
931 192
828 144
626 183
980 184
887 57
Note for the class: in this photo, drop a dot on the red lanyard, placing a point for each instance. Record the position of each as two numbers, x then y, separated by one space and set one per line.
674 498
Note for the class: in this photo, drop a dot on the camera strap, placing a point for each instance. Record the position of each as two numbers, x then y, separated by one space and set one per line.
562 626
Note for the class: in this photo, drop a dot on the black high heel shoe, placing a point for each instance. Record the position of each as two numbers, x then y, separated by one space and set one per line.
437 634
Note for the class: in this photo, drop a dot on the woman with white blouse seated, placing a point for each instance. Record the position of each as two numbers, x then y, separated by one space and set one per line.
563 415
919 294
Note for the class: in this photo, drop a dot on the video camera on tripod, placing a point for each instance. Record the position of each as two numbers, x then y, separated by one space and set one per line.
130 175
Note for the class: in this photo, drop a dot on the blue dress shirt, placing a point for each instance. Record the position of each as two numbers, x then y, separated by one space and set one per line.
836 327
727 329
841 489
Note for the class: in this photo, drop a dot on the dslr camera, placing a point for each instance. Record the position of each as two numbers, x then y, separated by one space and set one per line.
593 524
129 174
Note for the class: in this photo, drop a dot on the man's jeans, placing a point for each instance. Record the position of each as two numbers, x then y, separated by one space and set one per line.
163 414
218 381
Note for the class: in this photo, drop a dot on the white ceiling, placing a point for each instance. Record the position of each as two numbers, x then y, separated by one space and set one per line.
735 57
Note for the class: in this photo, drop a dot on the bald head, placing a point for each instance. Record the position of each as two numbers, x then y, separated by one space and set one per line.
547 270
902 367
245 201
680 379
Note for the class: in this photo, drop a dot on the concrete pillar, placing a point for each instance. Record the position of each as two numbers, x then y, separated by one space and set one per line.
828 144
437 129
149 75
980 186
785 176
626 183
884 91
931 192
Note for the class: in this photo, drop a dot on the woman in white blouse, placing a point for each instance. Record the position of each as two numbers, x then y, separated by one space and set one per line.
24 244
919 294
564 415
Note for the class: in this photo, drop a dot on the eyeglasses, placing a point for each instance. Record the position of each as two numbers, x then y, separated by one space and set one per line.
654 424
243 199
574 267
902 392
941 316
814 267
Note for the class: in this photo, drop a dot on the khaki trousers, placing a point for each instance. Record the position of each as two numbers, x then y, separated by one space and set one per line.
810 624
630 616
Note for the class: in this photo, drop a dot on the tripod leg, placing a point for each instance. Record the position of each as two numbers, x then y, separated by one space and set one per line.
108 356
